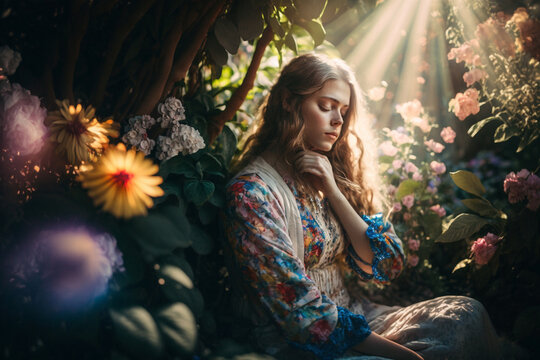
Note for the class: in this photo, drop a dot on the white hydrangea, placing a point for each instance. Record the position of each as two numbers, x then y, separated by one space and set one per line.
9 60
136 134
171 111
183 139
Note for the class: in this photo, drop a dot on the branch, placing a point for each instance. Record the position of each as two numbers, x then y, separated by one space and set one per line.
216 124
128 21
153 94
79 17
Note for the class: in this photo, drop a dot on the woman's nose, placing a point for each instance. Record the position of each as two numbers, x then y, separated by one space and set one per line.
337 119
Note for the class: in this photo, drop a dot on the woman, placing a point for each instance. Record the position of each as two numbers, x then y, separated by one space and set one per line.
299 215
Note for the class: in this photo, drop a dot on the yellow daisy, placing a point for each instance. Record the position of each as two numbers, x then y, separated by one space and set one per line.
123 182
78 133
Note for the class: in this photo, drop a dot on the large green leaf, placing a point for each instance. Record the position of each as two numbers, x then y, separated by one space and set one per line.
226 145
156 234
469 182
183 166
227 34
137 332
178 327
433 224
461 227
475 128
198 191
316 29
481 206
248 19
407 187
216 50
276 27
290 41
176 214
211 165
309 9
504 132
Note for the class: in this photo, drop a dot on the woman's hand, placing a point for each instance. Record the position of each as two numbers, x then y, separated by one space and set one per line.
318 165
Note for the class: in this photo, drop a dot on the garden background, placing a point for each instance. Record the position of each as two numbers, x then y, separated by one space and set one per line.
120 119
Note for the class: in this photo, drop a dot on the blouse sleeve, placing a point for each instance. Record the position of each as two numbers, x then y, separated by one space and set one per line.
257 231
388 256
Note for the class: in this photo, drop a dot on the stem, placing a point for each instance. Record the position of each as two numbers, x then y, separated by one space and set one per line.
130 17
216 124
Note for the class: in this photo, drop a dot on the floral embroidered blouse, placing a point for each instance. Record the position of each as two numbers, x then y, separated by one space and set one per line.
308 318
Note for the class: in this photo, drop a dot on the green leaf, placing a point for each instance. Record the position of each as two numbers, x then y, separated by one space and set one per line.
176 215
211 165
432 223
276 27
461 265
178 327
137 332
202 243
504 132
407 187
248 19
316 29
309 9
183 166
198 191
474 129
469 182
461 227
291 42
527 140
207 213
156 234
215 50
174 274
226 146
227 34
169 188
386 159
481 206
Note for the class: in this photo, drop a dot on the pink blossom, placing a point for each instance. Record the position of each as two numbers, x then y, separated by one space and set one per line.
412 260
523 174
466 53
410 167
414 244
448 135
484 248
434 146
396 207
397 164
515 187
410 109
470 77
22 121
492 31
408 201
417 176
376 93
401 137
533 192
437 167
388 149
465 104
407 216
420 80
438 209
422 123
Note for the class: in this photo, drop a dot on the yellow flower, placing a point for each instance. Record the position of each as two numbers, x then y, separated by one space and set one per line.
123 182
78 133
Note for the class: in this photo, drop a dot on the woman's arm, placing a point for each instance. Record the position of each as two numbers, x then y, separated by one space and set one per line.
378 345
317 164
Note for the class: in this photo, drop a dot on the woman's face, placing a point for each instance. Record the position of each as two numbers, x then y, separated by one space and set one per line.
323 113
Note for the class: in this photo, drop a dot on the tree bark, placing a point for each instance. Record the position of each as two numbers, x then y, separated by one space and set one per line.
216 124
129 19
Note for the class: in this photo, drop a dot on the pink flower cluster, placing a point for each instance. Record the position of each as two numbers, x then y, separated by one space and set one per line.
388 149
434 146
448 135
437 167
521 186
470 77
484 248
410 109
22 118
466 53
492 31
408 201
465 104
438 209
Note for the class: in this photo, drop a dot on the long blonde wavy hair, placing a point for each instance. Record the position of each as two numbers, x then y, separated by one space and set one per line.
282 127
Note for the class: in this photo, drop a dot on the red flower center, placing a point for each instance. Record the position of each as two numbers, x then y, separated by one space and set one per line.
76 127
122 178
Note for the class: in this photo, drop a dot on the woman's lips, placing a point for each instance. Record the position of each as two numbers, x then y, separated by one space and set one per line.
332 135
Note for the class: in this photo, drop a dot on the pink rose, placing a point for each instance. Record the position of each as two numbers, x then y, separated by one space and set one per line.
515 187
412 260
448 135
414 244
408 201
401 137
22 120
388 149
410 167
410 109
484 248
437 167
438 209
434 146
422 123
397 164
523 174
417 176
474 75
396 207
466 53
465 104
376 93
